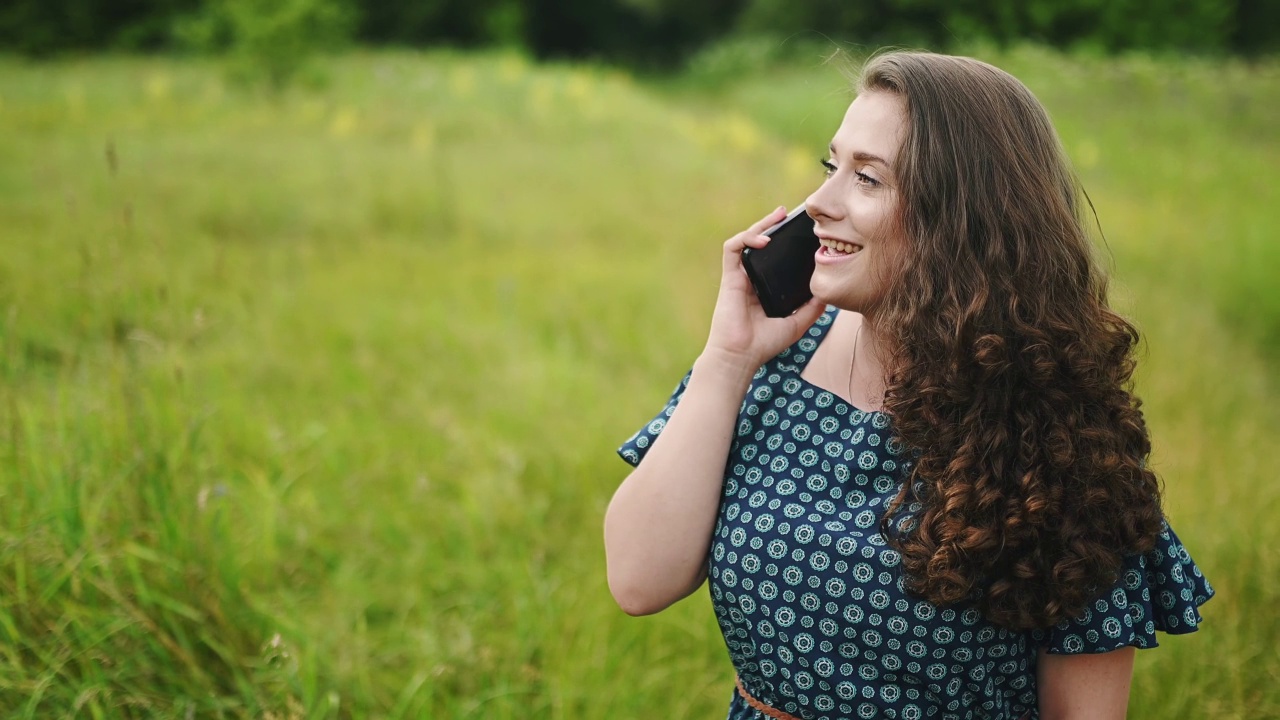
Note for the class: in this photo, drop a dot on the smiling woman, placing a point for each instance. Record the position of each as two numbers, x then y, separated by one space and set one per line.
926 493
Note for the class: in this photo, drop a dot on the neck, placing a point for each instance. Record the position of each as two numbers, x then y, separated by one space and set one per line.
866 368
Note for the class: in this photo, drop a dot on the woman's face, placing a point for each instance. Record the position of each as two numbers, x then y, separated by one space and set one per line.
854 209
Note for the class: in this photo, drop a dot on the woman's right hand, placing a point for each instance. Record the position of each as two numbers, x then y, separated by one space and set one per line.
742 337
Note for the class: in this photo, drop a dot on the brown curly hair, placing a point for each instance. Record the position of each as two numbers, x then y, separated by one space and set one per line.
1009 375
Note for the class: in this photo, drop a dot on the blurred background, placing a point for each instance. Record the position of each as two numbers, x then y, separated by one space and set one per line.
320 321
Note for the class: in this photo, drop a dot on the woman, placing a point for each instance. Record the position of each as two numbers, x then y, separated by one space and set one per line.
925 493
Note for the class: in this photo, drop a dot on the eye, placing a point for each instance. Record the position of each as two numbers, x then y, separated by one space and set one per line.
865 178
828 167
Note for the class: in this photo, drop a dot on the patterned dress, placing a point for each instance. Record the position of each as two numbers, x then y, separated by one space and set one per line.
810 597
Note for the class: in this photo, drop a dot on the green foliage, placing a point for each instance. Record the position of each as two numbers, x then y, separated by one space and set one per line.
641 33
268 40
42 27
307 403
1109 25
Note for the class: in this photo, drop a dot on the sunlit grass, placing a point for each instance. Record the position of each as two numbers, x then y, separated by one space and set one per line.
308 402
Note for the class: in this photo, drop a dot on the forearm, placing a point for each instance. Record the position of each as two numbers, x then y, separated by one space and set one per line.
658 526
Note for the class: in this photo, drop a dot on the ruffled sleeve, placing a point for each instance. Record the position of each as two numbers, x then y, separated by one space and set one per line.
634 449
1162 589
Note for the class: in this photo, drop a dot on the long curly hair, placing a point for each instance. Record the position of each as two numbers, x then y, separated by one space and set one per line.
1009 376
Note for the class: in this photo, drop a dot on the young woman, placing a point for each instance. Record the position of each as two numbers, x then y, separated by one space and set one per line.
924 494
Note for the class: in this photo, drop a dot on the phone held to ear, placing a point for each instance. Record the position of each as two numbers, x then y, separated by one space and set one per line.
780 271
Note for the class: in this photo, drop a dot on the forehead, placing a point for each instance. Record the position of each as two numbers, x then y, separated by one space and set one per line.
874 124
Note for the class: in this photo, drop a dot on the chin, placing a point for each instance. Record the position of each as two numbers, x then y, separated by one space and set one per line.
832 295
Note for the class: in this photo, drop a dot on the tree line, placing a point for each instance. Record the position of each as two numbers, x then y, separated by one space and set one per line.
640 33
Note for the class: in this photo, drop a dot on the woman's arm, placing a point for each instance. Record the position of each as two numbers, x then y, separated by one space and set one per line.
1085 687
658 527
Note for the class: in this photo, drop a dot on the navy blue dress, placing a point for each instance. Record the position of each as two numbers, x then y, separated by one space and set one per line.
810 597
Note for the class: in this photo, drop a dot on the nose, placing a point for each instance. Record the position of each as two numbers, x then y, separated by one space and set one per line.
823 203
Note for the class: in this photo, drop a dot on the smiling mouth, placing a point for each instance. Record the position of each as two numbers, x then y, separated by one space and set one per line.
837 247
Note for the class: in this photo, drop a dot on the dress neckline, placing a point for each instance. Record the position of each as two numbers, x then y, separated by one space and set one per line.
832 312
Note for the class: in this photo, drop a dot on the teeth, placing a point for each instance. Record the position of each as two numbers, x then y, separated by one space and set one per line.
843 248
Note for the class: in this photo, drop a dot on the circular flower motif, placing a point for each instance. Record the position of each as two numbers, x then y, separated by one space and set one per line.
835 587
764 522
853 614
803 642
792 575
803 680
809 458
855 499
846 546
777 549
768 590
862 572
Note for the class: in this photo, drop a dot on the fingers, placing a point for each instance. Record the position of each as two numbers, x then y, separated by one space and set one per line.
751 237
772 218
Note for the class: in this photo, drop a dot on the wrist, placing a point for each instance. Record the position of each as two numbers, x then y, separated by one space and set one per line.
727 369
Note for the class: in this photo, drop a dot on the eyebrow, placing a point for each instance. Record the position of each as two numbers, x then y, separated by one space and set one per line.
863 157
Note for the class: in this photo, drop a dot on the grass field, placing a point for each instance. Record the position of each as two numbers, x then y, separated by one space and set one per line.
308 403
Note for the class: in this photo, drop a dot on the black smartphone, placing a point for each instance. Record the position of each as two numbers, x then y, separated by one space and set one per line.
780 271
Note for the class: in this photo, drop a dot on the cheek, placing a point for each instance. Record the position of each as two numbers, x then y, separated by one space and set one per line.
874 220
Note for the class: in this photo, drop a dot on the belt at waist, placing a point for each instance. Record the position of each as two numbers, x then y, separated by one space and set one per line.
768 710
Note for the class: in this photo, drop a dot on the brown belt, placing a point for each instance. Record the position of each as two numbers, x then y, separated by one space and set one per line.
768 710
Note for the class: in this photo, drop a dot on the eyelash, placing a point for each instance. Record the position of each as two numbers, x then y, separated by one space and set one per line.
829 169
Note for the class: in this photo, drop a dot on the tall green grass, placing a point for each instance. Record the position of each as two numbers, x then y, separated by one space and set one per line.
307 402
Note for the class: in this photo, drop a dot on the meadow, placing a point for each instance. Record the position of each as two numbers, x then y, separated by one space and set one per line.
308 401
